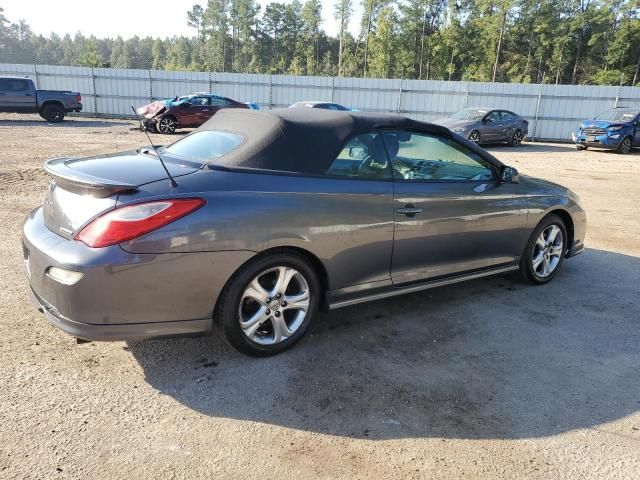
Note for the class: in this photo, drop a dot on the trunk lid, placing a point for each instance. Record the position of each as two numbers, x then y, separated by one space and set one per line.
82 188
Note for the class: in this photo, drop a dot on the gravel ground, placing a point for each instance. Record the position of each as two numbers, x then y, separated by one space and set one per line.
488 379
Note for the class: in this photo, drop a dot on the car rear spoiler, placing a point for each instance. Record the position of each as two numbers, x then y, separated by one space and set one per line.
80 182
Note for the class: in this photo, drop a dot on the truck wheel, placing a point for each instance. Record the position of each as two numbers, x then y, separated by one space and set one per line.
53 113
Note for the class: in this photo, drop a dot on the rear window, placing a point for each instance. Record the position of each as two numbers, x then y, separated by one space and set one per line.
205 145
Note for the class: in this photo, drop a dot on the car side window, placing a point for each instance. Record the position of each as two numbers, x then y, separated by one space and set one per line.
506 116
362 157
219 102
13 85
493 117
200 101
425 157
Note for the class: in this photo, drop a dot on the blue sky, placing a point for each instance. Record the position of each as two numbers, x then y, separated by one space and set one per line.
124 17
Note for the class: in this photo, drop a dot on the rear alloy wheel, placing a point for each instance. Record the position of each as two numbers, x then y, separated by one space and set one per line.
167 125
625 146
516 139
53 113
269 304
475 137
545 252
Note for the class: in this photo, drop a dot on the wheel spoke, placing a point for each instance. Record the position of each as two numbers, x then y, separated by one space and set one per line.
250 326
553 233
540 242
538 259
297 302
285 274
256 292
280 329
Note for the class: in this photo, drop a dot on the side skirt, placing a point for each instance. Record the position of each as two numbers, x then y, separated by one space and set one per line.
392 291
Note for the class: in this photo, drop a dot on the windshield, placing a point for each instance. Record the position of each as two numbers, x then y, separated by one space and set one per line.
618 115
469 114
205 145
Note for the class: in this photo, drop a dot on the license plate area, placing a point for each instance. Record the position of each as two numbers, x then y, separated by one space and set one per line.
591 138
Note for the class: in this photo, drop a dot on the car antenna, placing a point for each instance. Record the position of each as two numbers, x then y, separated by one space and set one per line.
144 129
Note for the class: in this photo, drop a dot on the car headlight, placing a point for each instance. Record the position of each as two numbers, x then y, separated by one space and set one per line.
617 128
458 129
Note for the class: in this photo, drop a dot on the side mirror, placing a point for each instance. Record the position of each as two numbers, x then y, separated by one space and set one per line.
509 175
487 120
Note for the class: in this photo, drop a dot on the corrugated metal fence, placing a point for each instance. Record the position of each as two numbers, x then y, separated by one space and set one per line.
552 110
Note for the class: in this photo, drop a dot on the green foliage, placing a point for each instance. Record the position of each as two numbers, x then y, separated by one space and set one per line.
525 41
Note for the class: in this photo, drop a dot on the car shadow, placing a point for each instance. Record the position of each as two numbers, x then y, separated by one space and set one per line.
491 359
68 122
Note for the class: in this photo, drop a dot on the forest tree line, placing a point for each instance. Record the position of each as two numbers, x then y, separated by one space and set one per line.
522 41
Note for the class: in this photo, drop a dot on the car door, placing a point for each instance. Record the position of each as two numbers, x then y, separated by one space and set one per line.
636 132
201 110
509 122
491 129
357 201
452 214
17 94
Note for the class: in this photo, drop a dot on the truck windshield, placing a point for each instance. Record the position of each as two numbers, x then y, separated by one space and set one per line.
618 115
205 145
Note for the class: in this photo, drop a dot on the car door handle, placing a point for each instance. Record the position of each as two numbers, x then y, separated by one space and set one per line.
409 210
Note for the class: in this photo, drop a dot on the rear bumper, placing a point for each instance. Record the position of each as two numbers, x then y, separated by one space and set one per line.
136 331
123 295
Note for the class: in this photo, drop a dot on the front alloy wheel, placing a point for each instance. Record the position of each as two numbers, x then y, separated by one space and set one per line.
545 251
475 137
625 146
167 125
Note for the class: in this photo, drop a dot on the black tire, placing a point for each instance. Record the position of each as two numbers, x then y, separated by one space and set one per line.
167 125
581 147
227 316
53 113
527 270
516 138
625 146
474 137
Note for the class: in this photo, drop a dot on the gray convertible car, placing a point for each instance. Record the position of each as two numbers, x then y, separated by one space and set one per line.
488 125
269 216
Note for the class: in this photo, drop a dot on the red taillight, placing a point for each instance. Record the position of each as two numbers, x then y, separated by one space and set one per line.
126 223
78 97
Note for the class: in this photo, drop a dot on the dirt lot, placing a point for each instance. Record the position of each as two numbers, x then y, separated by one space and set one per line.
490 379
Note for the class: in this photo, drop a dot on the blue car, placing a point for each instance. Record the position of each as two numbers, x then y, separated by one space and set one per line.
617 129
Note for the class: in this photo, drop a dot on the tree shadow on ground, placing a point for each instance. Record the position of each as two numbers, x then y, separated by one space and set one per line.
491 358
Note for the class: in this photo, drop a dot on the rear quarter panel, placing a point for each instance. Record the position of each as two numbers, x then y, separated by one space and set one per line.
347 224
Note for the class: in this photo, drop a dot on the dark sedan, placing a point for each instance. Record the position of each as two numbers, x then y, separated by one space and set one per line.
269 216
488 125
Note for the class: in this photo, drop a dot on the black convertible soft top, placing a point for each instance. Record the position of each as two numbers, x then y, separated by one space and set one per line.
301 140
